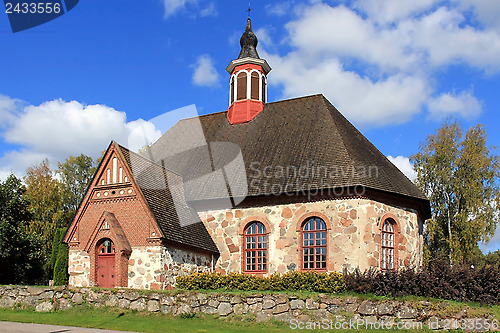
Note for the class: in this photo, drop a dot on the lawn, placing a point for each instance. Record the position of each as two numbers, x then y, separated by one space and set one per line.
116 319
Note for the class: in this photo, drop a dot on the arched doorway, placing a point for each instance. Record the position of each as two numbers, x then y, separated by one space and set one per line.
106 264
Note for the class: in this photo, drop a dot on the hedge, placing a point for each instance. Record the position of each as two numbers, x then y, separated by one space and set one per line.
310 281
440 281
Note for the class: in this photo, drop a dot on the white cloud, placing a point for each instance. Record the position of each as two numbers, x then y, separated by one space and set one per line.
494 243
363 100
486 11
172 7
403 164
57 129
463 104
205 73
386 11
209 10
279 8
377 60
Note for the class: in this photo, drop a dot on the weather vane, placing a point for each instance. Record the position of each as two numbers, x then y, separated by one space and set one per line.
249 9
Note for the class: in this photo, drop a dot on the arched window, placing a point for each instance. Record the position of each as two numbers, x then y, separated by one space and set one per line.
231 91
241 86
314 244
387 260
263 89
254 91
107 247
255 245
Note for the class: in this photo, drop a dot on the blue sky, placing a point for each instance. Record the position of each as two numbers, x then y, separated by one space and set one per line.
396 69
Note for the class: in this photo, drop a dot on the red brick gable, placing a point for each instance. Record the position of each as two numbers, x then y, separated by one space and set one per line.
113 190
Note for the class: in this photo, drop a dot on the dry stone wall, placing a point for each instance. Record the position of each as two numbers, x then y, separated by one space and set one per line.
295 310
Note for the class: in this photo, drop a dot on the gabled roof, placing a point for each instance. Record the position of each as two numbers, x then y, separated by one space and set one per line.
301 132
163 192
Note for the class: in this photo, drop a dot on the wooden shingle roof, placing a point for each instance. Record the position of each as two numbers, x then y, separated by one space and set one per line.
178 222
307 132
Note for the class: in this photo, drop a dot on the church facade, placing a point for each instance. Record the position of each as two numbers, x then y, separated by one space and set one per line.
261 188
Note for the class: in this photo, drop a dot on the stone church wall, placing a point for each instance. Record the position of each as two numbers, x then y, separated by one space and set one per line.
79 268
353 239
156 267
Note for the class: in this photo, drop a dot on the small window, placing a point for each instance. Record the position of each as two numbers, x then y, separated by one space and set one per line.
263 89
107 247
242 86
314 244
255 245
231 91
255 86
387 260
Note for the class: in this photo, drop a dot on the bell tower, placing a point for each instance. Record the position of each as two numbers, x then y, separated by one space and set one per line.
248 82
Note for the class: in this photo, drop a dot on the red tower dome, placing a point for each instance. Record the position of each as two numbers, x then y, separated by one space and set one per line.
248 83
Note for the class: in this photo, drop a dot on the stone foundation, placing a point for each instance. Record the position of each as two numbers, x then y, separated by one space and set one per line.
294 310
79 268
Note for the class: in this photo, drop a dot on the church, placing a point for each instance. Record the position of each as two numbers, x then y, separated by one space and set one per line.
261 188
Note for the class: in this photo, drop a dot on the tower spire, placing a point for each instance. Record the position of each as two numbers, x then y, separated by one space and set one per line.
248 83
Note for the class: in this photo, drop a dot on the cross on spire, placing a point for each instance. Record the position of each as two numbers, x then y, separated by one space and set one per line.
249 10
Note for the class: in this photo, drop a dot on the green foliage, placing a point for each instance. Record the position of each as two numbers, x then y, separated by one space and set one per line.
45 197
76 174
294 281
59 259
459 174
20 252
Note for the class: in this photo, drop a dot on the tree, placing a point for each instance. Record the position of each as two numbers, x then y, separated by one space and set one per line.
459 175
20 252
46 202
59 258
76 174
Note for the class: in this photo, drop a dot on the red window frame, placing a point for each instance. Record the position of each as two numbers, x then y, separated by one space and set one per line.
387 259
256 245
314 244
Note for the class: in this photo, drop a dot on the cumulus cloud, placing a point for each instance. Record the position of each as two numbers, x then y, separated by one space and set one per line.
403 164
463 104
377 60
205 73
57 129
494 243
172 7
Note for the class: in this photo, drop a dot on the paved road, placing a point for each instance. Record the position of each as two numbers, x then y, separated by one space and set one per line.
9 327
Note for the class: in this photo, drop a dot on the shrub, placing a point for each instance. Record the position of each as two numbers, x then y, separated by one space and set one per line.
440 281
306 281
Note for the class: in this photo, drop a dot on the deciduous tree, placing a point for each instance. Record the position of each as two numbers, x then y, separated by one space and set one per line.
459 174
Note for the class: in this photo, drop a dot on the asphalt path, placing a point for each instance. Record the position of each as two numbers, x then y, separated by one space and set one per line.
10 327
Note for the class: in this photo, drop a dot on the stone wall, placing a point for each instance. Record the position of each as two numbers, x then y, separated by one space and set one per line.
156 267
254 307
353 238
149 267
79 268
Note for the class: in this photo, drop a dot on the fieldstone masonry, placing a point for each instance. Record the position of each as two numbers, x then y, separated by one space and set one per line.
149 267
353 239
252 307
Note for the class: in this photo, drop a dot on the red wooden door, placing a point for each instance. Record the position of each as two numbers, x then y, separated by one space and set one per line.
106 265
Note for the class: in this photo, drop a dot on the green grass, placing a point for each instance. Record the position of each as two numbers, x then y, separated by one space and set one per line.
115 319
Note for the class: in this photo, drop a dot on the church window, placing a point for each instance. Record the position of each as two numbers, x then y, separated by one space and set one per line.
107 247
314 244
231 91
241 86
387 260
255 86
255 245
263 89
